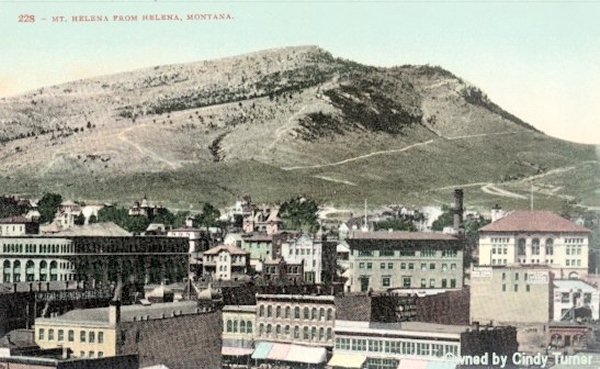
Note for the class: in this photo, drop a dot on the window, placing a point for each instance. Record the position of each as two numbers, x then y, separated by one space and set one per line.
453 283
444 283
278 312
382 266
521 247
100 354
406 282
269 329
587 298
91 354
432 283
453 266
369 265
402 266
82 336
432 266
92 337
235 326
41 334
261 311
229 326
287 312
305 333
423 266
564 297
277 330
516 288
390 265
306 313
296 332
269 311
243 326
549 246
385 281
50 334
248 327
411 266
504 288
296 312
313 314
527 288
428 253
361 265
329 334
423 283
61 335
444 267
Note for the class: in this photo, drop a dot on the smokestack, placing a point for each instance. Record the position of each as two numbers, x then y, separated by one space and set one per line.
458 210
114 313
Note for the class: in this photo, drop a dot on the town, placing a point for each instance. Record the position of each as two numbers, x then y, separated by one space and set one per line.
289 285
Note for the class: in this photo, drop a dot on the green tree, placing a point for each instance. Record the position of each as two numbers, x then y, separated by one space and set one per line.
209 216
80 219
300 213
48 205
446 219
93 219
397 224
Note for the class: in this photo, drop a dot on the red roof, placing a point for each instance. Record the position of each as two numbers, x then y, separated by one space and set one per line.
534 221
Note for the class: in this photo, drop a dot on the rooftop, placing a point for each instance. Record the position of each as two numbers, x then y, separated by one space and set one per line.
129 313
573 284
104 229
417 327
386 235
237 308
17 219
534 221
233 250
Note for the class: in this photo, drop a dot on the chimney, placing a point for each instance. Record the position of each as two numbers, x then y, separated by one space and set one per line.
458 210
114 313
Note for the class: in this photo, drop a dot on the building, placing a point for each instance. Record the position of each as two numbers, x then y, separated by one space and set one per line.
112 331
225 262
145 209
262 220
238 333
418 262
18 226
280 271
536 238
302 319
511 295
149 259
306 251
263 246
411 345
575 300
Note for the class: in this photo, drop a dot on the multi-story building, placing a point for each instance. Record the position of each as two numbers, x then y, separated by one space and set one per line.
33 258
412 261
575 299
303 319
225 262
411 345
148 331
280 271
304 250
262 220
18 226
513 294
263 246
536 238
238 332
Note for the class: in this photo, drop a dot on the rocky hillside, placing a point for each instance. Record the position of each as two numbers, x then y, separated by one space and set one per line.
280 122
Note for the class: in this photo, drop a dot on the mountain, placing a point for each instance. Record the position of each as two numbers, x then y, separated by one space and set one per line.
280 122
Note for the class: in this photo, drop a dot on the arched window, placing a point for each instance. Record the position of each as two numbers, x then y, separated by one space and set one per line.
306 313
521 247
329 334
29 271
321 313
330 314
277 330
269 329
549 246
278 312
535 246
261 329
229 326
296 312
269 311
92 337
235 326
249 327
314 314
286 331
6 272
17 271
243 326
287 312
261 311
321 334
313 333
53 270
296 332
305 333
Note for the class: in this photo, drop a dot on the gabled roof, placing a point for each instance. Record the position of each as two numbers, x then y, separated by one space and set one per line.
534 221
233 250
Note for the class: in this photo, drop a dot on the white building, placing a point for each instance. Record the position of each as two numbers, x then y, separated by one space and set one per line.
225 262
536 238
303 249
570 295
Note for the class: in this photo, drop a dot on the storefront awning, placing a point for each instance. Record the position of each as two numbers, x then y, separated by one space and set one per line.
306 354
262 350
279 351
413 364
347 361
235 351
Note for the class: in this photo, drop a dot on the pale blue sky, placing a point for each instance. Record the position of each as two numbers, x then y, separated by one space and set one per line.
539 60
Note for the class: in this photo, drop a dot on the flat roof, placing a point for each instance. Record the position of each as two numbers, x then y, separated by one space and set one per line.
128 313
238 308
573 284
419 328
409 236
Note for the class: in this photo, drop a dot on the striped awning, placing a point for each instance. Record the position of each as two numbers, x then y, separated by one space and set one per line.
279 351
347 361
262 350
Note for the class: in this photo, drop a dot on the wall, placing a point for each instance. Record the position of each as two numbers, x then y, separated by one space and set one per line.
451 307
183 342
